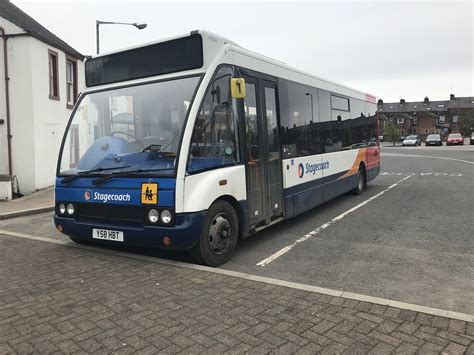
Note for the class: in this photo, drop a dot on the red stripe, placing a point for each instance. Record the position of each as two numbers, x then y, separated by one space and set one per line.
370 98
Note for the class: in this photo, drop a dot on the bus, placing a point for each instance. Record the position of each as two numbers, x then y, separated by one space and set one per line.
193 143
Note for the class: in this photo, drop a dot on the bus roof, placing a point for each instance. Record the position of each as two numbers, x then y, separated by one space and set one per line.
213 44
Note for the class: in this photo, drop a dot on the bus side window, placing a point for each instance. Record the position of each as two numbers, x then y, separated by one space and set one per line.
214 139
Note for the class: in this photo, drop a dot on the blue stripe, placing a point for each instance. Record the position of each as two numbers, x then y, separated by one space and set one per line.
305 196
128 188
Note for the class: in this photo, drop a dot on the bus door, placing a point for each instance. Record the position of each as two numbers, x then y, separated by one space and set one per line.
262 150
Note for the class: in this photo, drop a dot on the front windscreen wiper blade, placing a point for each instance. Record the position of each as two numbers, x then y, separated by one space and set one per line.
101 180
87 172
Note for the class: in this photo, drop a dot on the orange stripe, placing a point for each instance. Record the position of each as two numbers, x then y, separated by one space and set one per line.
355 166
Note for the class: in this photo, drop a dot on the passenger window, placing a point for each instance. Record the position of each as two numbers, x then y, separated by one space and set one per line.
214 139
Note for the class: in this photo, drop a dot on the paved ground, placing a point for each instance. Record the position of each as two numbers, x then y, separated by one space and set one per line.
73 300
41 199
411 243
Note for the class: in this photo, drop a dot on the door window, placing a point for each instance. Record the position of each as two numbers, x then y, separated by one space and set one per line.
274 162
214 140
254 154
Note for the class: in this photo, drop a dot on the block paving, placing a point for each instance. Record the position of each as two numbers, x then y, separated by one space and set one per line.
59 299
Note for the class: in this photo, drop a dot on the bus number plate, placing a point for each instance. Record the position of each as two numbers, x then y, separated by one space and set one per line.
106 234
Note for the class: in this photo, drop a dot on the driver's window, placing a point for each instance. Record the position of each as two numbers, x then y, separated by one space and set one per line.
123 120
214 140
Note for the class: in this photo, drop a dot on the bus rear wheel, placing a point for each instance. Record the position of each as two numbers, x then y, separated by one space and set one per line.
219 235
361 181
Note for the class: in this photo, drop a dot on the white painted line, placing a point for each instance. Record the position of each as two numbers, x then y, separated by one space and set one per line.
425 156
267 280
286 249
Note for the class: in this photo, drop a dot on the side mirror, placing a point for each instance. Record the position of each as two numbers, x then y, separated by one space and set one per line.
216 93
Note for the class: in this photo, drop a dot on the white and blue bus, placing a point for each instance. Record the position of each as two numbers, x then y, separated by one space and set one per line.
193 142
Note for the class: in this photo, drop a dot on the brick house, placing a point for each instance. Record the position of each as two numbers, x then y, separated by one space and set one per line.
426 117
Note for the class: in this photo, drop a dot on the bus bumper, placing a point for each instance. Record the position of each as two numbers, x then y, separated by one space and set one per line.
184 234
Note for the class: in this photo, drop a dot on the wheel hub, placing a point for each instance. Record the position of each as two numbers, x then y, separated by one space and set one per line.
220 232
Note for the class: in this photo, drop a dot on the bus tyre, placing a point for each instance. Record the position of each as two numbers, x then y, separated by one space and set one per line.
361 181
219 235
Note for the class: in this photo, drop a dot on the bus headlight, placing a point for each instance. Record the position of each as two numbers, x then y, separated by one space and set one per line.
166 216
70 209
62 208
153 215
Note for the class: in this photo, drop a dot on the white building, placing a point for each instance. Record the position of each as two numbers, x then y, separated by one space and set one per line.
40 78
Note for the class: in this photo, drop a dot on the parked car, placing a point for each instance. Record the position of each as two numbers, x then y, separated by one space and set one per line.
433 139
412 140
381 138
455 138
472 139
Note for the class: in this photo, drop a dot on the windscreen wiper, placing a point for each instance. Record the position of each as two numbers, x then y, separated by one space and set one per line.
87 172
101 180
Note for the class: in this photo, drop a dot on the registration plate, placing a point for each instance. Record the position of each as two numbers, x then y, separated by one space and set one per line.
105 234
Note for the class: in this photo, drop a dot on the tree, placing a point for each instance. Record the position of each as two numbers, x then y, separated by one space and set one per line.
466 122
391 131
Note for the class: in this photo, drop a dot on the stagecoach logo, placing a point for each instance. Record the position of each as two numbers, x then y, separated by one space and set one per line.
97 196
300 170
311 168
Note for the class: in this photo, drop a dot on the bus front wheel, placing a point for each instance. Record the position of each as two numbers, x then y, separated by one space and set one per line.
219 235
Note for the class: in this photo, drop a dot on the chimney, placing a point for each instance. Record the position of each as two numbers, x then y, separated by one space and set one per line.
451 97
402 101
426 100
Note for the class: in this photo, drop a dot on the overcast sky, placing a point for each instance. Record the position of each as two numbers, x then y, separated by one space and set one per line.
390 49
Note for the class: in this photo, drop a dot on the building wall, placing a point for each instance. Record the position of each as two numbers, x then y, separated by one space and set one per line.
50 117
37 122
21 112
5 186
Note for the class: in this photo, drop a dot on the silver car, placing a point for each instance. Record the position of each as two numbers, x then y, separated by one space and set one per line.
413 140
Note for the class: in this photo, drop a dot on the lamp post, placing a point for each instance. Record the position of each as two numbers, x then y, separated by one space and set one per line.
140 26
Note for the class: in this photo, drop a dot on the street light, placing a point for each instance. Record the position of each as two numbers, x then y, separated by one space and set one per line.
140 26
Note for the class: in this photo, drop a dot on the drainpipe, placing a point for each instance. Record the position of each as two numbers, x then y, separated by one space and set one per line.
7 101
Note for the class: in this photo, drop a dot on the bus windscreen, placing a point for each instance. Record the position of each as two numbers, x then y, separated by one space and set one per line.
156 59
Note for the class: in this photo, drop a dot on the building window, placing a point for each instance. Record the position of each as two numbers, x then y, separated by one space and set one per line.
400 120
442 119
53 75
415 120
455 118
71 81
426 131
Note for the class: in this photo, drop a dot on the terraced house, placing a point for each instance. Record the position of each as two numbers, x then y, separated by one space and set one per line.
41 77
426 117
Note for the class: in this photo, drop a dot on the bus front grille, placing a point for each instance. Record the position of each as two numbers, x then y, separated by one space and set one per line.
110 212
